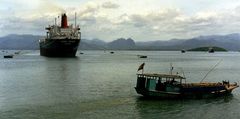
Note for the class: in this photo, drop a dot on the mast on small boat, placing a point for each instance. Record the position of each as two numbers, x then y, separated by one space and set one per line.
210 71
183 74
171 68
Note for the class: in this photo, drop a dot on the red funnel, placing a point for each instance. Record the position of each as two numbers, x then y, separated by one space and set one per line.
64 23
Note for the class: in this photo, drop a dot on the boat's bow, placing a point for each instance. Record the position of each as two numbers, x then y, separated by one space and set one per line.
230 87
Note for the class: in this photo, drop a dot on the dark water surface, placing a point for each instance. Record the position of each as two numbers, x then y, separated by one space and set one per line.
98 84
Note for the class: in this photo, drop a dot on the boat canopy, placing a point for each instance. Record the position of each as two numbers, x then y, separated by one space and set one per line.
161 75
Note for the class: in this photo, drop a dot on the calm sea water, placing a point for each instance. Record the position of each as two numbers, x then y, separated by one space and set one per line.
98 84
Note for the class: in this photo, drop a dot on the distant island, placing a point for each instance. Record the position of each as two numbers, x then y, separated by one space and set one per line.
218 49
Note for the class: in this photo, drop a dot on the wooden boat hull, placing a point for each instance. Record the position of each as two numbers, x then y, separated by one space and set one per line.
159 94
166 86
8 56
191 94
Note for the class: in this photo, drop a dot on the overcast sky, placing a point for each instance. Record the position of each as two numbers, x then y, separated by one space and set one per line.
142 20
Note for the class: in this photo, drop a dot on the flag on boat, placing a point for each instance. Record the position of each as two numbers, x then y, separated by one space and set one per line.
141 67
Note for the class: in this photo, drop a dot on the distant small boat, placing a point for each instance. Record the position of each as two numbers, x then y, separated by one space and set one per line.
183 50
8 56
211 50
17 52
112 52
81 53
142 56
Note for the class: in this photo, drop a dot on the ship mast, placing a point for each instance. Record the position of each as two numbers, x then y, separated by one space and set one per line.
75 19
55 22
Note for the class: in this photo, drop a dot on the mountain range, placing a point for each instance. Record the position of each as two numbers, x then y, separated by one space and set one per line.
30 42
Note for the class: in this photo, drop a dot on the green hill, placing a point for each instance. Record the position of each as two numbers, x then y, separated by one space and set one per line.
207 48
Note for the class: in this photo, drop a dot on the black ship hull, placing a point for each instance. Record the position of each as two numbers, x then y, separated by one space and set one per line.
59 47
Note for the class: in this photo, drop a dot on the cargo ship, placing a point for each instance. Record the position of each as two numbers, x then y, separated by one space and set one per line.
61 40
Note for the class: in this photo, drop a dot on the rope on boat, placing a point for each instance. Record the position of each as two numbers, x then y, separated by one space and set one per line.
210 71
183 74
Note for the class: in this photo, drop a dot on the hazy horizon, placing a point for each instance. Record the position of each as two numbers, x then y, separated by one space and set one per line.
140 20
148 40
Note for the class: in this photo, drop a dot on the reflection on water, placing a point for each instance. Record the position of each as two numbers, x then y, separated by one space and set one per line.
184 108
101 85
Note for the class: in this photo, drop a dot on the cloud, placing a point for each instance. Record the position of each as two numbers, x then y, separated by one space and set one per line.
46 6
30 19
89 8
109 20
110 5
174 23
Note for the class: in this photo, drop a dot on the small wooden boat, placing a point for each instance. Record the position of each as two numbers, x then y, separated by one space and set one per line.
210 50
18 52
142 56
112 52
183 51
172 86
8 56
